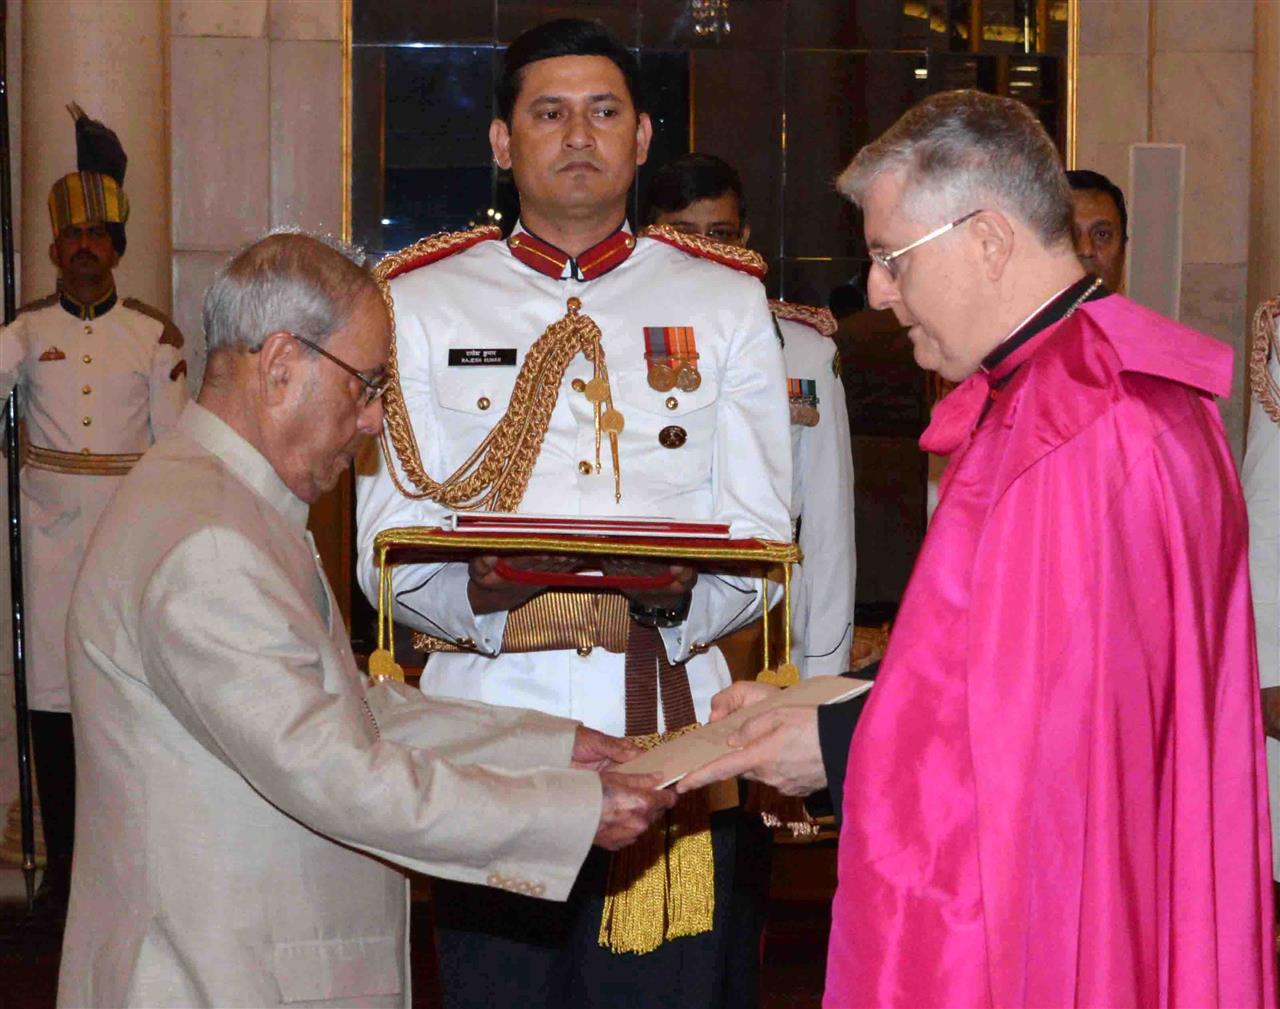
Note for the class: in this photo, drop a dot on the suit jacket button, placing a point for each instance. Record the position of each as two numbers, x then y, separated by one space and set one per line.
577 385
585 468
673 436
483 402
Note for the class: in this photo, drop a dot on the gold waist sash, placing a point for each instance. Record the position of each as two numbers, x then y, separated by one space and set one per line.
556 620
81 463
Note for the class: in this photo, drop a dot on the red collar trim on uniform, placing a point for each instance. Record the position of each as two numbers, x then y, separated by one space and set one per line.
551 261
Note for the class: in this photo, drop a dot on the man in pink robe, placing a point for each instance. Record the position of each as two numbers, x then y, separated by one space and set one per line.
1056 793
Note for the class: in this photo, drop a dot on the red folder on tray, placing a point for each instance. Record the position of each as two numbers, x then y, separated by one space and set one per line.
466 534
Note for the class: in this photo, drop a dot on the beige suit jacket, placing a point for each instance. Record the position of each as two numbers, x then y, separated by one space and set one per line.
233 768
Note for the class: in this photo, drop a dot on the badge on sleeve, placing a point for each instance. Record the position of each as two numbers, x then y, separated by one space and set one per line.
672 356
803 394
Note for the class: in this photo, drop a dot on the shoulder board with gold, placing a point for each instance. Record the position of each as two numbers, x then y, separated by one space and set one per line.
39 303
819 319
1262 347
432 249
743 260
171 335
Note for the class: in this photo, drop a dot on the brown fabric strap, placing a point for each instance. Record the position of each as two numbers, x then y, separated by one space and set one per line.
650 676
677 698
641 691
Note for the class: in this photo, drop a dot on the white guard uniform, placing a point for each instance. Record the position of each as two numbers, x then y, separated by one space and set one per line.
1261 479
104 381
822 596
732 465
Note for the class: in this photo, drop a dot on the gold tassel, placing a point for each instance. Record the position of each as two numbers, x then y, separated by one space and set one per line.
633 919
662 886
691 868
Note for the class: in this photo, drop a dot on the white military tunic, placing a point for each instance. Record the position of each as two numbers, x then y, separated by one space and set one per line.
734 465
1260 476
104 384
822 590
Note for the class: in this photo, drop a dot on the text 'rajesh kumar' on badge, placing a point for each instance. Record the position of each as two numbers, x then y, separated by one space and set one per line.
479 357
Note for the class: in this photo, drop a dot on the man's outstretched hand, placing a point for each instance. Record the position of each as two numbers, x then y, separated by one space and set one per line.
631 803
779 747
596 751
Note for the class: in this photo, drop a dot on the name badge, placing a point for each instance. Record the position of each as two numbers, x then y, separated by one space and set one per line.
482 357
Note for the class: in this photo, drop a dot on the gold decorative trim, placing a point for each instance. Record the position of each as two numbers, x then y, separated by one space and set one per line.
396 424
1261 347
555 621
820 319
495 475
733 256
81 463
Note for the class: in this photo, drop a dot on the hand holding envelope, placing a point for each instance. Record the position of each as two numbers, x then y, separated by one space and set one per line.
757 731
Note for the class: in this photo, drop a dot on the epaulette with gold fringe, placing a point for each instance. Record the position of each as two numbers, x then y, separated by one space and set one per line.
819 319
171 335
1262 346
733 256
432 249
39 303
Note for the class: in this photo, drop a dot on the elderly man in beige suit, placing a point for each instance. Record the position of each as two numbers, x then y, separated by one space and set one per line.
243 793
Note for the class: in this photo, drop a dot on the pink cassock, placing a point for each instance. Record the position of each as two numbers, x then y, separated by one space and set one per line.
1056 795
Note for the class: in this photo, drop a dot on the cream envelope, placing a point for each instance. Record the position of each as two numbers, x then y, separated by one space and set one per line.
685 754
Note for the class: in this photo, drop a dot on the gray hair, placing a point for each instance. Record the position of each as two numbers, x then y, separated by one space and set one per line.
959 150
288 281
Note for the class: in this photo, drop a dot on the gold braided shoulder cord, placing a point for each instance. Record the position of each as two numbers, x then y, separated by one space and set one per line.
1261 347
699 245
819 319
495 476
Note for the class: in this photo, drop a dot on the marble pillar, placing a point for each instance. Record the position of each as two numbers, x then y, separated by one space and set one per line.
111 59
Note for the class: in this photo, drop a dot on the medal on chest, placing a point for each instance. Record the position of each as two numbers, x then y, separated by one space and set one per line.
803 396
672 356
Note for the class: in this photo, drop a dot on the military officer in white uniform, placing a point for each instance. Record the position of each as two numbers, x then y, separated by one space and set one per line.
100 378
701 194
689 359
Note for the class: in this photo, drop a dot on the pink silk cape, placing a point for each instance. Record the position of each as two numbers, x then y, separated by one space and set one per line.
1056 795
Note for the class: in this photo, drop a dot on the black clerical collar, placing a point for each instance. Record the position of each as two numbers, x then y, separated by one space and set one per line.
1087 288
80 311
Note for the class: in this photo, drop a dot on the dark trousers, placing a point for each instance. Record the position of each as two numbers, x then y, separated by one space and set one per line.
748 912
500 950
53 743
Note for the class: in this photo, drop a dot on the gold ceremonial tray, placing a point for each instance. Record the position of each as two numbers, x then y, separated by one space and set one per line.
768 559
